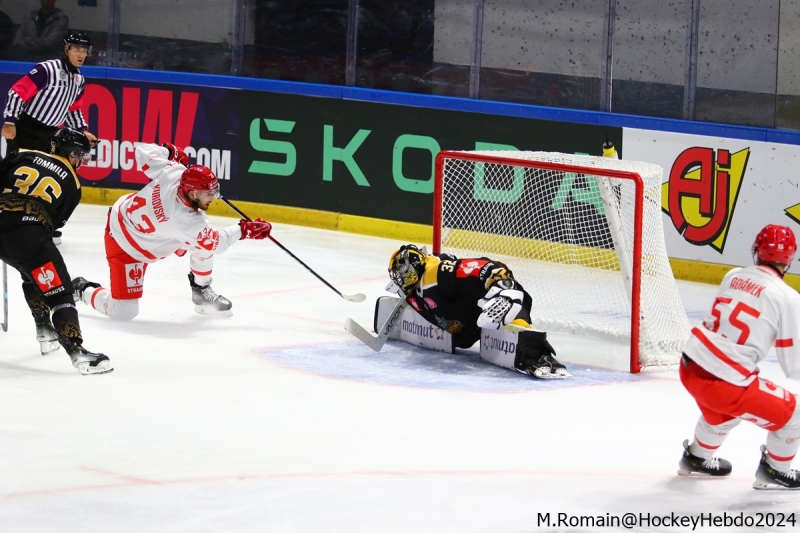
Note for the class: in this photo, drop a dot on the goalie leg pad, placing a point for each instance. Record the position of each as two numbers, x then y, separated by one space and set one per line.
536 357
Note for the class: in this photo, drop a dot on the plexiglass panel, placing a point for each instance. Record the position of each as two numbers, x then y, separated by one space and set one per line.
543 52
191 36
546 52
649 57
788 98
737 62
300 40
403 47
36 29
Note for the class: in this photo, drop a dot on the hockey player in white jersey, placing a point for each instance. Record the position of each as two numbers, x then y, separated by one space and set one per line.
167 216
754 311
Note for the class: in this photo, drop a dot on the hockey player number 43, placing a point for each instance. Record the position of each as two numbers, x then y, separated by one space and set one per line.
146 225
733 319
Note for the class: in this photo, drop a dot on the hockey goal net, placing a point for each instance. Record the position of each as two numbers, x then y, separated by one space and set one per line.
583 235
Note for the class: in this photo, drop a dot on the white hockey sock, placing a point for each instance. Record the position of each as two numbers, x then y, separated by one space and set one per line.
114 309
708 438
782 445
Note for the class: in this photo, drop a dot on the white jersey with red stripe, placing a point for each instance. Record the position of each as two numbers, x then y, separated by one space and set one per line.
156 221
754 310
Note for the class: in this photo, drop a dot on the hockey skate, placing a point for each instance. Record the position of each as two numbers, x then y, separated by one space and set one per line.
545 367
207 301
691 465
88 362
47 337
768 478
45 332
79 285
537 357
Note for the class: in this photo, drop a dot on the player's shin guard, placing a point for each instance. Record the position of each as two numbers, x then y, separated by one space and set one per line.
708 438
45 334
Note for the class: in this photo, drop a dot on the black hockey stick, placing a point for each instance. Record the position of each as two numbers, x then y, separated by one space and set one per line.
349 297
5 298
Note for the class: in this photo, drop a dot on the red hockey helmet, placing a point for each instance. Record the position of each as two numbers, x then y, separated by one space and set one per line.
774 244
199 178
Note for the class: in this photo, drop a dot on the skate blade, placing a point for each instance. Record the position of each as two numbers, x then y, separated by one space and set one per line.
101 368
559 374
700 475
763 485
48 347
209 311
545 373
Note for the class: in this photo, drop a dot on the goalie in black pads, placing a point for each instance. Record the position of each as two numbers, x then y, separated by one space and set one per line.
461 296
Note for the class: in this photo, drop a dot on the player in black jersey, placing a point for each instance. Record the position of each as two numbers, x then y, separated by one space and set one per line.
461 296
38 193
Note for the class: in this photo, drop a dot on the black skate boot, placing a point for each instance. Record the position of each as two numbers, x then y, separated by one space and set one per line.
79 285
691 465
208 302
536 357
45 333
767 478
88 362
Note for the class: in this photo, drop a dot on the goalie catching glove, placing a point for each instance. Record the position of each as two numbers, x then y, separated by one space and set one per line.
501 305
176 154
255 229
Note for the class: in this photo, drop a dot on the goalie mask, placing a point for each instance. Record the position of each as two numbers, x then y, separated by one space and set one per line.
406 267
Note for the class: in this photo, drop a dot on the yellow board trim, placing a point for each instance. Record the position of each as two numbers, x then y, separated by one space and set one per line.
405 232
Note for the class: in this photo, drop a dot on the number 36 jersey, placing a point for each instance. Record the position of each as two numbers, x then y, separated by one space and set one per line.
754 310
38 188
157 221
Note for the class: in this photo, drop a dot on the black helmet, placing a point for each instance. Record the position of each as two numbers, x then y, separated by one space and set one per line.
71 143
78 38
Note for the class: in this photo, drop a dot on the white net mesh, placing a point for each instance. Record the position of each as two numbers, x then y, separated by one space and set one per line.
569 239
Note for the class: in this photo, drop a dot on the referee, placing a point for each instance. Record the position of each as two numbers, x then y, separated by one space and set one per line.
48 98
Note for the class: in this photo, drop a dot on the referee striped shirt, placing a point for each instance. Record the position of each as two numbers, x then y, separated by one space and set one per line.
51 93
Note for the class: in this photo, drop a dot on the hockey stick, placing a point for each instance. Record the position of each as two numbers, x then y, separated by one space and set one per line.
376 342
349 297
5 297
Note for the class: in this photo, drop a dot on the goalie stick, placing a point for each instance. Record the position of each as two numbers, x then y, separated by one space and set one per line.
5 298
376 342
349 297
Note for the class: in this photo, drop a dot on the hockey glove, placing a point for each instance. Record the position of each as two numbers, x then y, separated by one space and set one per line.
255 229
176 154
500 306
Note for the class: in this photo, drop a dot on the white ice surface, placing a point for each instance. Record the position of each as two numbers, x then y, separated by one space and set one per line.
277 420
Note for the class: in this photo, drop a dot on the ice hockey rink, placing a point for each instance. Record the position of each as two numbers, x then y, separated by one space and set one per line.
278 420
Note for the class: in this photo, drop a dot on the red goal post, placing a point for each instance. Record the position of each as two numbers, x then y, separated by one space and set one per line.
583 234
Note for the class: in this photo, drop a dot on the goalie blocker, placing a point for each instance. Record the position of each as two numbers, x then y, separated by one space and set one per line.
508 349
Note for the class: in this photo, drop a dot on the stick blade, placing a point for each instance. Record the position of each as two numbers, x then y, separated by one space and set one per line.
358 331
354 297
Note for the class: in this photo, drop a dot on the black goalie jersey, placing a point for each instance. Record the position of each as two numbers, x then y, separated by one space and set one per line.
450 290
38 188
